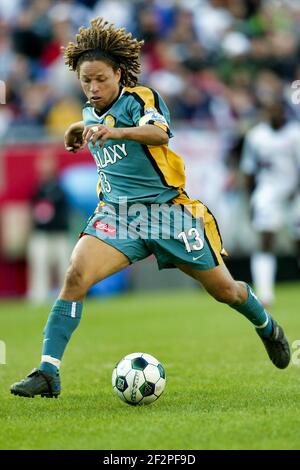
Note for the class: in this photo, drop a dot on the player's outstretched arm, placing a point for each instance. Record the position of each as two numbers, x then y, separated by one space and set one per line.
73 137
147 134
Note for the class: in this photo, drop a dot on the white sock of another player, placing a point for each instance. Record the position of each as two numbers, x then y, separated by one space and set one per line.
263 269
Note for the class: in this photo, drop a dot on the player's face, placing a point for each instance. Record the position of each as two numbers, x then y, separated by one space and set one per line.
100 82
276 115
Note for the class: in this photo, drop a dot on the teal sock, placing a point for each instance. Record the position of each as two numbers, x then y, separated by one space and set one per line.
255 312
62 321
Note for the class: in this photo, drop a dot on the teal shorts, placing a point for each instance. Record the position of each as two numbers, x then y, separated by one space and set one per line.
182 231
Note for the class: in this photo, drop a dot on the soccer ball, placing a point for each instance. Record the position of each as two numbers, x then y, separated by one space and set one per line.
138 379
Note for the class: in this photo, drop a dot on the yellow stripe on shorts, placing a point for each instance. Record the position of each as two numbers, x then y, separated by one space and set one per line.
211 230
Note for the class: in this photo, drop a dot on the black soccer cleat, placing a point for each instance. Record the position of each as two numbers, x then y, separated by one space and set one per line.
37 383
277 347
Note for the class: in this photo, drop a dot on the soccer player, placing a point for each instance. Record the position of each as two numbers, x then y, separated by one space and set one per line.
126 127
270 162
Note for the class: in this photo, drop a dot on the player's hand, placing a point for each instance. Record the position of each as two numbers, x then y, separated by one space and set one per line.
100 133
73 139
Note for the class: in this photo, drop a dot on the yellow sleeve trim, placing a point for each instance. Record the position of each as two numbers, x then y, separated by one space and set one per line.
145 94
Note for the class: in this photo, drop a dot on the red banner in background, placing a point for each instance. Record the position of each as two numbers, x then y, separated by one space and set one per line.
18 173
18 179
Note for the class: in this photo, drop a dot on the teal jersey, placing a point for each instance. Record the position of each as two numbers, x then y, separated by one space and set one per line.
139 172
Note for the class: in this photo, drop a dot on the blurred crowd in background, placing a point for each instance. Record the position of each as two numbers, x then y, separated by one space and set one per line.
219 64
212 60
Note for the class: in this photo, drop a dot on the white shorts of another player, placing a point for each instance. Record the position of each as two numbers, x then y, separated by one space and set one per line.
273 208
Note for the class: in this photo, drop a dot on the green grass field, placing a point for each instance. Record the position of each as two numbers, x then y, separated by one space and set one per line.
222 391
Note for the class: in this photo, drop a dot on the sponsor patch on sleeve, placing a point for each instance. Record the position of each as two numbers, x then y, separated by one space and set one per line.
151 116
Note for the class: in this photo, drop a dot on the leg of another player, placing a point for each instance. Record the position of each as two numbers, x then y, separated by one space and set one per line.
263 269
39 268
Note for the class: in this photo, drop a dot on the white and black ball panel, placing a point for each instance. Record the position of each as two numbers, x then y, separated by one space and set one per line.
121 383
160 386
148 400
151 373
135 379
150 359
139 363
124 367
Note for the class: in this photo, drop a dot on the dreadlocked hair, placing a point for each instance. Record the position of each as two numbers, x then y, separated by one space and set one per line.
105 42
